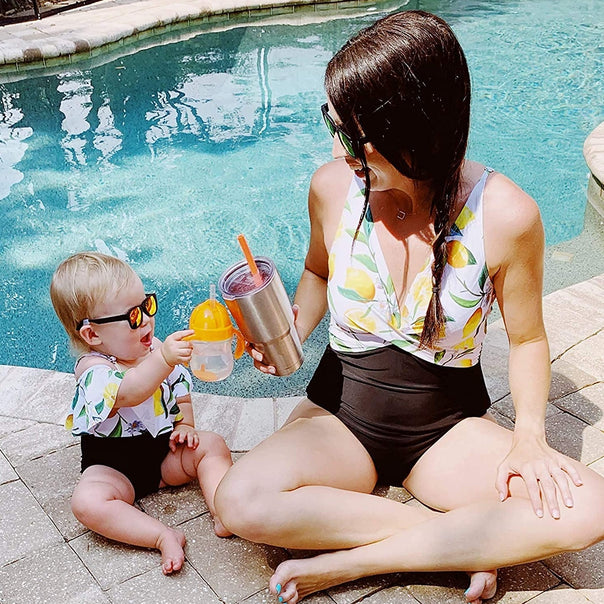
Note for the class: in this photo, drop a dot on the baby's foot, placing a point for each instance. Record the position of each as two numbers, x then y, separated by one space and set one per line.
483 586
220 529
171 543
296 579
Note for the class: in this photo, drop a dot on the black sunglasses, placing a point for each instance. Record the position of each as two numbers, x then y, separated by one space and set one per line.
352 146
134 316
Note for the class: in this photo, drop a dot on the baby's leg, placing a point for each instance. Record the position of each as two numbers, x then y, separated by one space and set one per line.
102 501
207 463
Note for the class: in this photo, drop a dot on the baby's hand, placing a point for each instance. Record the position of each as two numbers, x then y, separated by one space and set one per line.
184 434
175 350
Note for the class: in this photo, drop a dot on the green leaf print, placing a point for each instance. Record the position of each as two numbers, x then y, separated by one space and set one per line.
464 303
88 379
82 412
351 294
117 431
366 261
360 236
165 429
389 286
99 407
455 230
438 356
483 277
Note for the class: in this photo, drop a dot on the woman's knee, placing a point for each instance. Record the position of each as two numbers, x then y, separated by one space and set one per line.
243 506
587 514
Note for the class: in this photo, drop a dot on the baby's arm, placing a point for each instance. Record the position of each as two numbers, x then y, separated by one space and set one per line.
142 381
184 430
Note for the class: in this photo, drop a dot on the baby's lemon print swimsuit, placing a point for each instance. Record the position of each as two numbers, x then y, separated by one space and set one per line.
399 399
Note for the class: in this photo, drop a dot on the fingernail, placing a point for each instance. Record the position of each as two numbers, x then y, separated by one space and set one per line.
540 513
278 588
280 599
569 503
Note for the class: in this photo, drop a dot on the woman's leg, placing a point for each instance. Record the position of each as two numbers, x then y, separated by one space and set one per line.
458 474
103 501
307 487
207 463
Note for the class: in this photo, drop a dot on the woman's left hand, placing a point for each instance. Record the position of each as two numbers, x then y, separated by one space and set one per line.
545 472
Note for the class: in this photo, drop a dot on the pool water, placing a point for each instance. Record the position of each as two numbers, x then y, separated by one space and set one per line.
164 156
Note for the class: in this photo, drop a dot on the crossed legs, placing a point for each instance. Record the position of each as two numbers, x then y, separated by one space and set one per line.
308 487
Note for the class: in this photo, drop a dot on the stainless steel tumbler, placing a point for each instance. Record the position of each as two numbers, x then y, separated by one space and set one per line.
263 313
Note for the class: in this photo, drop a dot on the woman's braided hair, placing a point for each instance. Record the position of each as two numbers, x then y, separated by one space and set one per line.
404 83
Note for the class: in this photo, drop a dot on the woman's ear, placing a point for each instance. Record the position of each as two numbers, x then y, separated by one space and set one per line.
90 336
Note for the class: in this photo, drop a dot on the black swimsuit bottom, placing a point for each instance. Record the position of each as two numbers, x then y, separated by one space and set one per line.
138 458
396 404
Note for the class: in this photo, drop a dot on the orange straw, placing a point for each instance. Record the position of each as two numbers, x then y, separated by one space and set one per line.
250 260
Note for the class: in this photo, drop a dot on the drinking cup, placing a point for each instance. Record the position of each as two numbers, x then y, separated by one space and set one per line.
263 313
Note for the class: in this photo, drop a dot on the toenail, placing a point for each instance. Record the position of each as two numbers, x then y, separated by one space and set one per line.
280 599
278 588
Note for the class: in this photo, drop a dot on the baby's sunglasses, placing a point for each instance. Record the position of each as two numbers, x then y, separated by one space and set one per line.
352 146
134 316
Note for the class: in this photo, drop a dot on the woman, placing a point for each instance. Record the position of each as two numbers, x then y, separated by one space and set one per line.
410 245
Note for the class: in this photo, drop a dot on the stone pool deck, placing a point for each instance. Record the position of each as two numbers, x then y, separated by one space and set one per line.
46 556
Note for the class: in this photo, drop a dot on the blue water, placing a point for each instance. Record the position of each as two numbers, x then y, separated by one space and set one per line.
164 156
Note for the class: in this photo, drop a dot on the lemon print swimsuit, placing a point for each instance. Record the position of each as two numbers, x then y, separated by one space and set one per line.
132 440
397 398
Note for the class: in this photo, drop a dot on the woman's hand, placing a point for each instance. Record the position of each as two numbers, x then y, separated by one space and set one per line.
258 357
545 472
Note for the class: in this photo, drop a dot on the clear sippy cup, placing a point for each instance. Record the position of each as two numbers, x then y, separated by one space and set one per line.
212 358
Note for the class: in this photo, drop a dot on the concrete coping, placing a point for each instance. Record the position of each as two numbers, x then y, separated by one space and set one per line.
110 25
593 151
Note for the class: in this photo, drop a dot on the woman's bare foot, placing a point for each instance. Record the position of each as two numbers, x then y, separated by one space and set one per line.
171 543
483 586
220 529
295 579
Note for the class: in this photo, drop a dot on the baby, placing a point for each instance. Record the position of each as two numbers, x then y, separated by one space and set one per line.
132 408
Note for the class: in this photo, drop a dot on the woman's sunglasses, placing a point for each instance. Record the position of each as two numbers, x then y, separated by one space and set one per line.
352 146
134 316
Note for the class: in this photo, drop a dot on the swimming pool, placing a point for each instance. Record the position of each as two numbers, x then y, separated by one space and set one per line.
164 156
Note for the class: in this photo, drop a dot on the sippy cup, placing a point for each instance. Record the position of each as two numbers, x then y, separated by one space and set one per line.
212 358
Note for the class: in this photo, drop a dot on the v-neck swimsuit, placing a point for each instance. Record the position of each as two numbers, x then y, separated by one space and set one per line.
397 398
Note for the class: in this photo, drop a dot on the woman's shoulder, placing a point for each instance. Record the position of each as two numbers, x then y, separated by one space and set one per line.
512 222
508 207
331 179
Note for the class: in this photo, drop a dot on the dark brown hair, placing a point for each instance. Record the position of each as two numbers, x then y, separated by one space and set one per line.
403 83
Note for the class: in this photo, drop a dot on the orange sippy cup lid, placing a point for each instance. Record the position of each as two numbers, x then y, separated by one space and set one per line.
211 322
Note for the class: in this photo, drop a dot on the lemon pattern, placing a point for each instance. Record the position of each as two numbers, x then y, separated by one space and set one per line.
92 409
365 312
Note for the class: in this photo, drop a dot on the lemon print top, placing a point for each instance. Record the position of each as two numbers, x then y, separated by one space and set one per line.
365 313
92 410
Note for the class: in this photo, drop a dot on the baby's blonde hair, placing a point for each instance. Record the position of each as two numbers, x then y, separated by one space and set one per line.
81 282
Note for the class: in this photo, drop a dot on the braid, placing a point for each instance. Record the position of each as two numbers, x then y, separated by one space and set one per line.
444 210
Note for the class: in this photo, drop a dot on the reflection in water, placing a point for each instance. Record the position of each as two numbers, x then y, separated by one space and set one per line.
12 147
164 156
